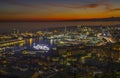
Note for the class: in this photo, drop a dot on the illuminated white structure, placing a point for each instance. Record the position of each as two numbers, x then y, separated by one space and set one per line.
41 47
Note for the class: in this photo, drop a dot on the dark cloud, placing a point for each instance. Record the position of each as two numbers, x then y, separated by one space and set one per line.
62 3
92 5
76 4
95 5
15 2
79 6
114 9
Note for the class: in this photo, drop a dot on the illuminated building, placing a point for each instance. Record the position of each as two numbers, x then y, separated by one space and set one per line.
41 47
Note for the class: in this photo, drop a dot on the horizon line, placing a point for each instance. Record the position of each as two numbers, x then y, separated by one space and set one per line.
74 20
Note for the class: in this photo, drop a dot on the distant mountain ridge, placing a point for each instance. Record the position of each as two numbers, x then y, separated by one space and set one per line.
99 19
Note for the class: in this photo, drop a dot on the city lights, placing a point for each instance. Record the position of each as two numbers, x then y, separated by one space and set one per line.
41 47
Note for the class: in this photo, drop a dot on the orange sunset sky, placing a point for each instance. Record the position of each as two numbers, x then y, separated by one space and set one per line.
47 10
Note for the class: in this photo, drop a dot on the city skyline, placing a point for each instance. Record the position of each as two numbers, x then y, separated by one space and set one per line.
54 10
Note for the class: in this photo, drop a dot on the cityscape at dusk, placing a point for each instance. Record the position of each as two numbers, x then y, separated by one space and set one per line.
59 38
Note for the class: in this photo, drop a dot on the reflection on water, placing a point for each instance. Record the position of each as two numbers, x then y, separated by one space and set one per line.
29 43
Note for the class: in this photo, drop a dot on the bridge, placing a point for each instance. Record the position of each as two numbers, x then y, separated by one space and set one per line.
11 42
